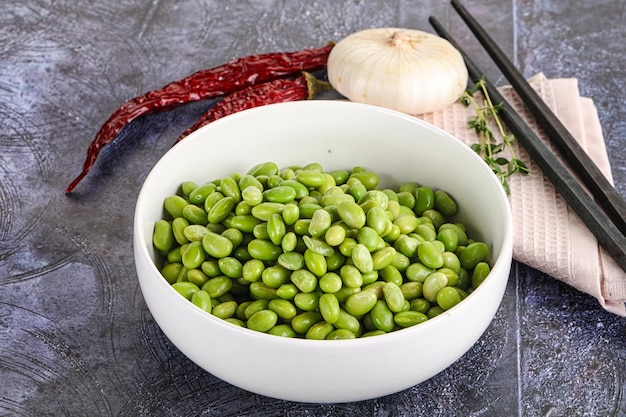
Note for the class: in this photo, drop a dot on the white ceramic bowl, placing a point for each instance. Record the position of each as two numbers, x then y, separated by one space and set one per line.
338 135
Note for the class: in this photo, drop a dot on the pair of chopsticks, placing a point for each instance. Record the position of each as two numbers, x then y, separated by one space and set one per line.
601 208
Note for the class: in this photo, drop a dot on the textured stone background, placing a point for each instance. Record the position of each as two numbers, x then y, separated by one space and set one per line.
76 338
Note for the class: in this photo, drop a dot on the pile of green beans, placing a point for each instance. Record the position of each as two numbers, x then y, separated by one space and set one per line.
302 252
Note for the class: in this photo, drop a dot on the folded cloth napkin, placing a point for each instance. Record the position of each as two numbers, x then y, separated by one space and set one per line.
548 235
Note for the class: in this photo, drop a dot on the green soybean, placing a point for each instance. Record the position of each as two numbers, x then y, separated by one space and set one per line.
301 252
329 307
186 289
473 253
448 297
382 316
352 214
163 237
409 318
202 300
433 284
262 321
264 250
319 331
174 205
393 296
216 245
283 308
479 274
360 303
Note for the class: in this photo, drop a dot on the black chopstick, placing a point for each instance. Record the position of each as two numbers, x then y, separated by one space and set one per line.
579 161
598 222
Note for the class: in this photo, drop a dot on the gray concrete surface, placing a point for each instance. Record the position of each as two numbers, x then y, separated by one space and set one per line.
76 338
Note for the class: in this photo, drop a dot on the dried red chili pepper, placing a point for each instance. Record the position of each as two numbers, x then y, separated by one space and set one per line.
276 91
210 83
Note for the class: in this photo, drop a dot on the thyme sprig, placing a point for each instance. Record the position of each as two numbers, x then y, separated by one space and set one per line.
488 147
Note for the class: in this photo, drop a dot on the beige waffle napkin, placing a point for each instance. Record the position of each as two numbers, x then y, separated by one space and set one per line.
548 235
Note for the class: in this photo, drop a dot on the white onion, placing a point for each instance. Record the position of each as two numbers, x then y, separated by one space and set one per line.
407 70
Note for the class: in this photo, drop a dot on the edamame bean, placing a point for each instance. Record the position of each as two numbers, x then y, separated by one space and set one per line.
224 310
433 283
252 195
368 178
264 168
352 214
178 229
262 321
218 286
186 289
411 290
407 245
391 274
302 322
335 235
193 255
283 330
304 279
275 276
252 270
393 296
287 291
216 245
199 194
351 276
255 306
360 303
473 253
383 257
368 237
171 272
276 228
445 204
187 187
318 245
448 297
163 237
210 268
307 301
194 214
362 258
310 178
424 200
382 316
300 189
341 334
280 194
481 270
418 272
435 217
315 262
329 307
347 321
319 331
195 232
264 250
202 300
330 282
430 255
409 318
197 277
406 223
174 205
283 308
221 209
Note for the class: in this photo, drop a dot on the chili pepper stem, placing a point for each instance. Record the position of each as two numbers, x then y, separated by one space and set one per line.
315 85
